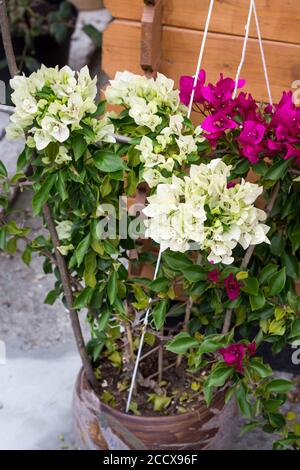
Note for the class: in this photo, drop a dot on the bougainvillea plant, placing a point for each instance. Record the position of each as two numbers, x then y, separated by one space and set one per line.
122 186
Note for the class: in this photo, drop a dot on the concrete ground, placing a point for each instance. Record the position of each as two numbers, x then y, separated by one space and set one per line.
36 381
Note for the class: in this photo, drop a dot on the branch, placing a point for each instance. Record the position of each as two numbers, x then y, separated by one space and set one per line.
186 322
249 253
65 279
6 38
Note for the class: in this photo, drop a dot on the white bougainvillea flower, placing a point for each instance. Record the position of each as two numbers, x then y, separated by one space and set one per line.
153 177
159 91
103 130
56 129
67 98
201 208
41 138
14 132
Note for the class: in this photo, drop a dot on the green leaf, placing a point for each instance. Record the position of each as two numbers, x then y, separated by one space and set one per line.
61 186
276 420
181 343
108 162
219 375
103 320
250 286
105 187
51 297
159 313
277 170
133 156
82 249
195 273
266 273
277 244
24 158
294 236
159 284
257 301
160 402
272 405
263 370
132 182
100 109
59 31
277 282
291 264
84 298
79 145
40 198
26 255
212 343
241 167
295 328
112 287
279 386
199 288
177 261
2 238
94 34
243 402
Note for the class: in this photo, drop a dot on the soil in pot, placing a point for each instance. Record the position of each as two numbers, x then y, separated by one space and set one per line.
185 422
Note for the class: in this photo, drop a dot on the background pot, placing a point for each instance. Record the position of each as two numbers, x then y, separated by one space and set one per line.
99 427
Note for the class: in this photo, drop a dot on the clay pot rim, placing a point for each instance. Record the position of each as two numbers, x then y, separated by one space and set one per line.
202 407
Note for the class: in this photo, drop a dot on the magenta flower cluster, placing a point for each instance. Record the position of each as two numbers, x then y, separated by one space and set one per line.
232 285
257 132
235 354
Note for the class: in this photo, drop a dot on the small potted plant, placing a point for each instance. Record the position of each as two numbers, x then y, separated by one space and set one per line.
156 231
41 32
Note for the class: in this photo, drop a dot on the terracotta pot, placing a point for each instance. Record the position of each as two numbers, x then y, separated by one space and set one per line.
100 427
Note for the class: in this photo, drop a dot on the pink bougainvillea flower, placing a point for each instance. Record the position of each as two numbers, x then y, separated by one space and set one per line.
252 153
292 152
218 122
220 94
246 106
250 139
252 134
251 348
213 276
233 355
232 286
186 86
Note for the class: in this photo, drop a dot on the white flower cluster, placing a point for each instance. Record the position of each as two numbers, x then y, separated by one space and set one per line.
52 102
144 97
157 155
201 208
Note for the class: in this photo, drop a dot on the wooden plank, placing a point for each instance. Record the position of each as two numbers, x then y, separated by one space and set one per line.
279 19
180 51
88 4
151 37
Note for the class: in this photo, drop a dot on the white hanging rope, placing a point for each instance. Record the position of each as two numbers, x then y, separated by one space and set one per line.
252 7
263 59
200 56
144 328
247 28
